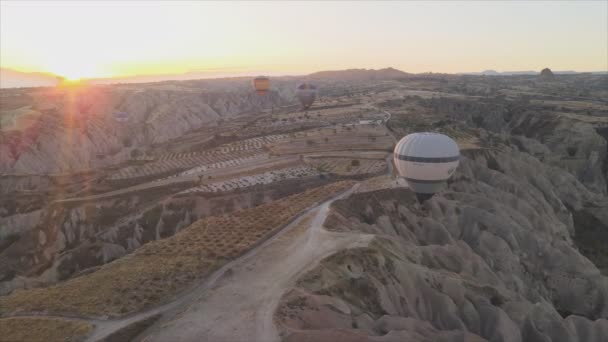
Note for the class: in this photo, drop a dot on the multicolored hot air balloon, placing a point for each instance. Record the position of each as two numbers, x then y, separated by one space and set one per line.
426 161
261 84
306 93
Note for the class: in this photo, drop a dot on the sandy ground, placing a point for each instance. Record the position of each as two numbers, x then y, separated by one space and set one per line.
240 303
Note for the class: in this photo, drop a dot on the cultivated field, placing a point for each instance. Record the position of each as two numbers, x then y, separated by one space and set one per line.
347 166
363 137
573 105
336 143
243 145
586 118
159 168
159 270
35 329
260 157
229 154
255 179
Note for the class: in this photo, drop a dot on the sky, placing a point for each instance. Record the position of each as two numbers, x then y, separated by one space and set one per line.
88 39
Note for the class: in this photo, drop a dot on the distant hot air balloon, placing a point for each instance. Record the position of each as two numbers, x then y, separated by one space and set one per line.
426 161
261 84
121 116
306 93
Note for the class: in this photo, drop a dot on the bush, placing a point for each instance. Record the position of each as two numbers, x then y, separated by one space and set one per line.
355 162
127 142
571 150
135 153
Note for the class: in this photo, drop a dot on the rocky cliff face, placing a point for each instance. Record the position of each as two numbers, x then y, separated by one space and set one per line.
493 258
57 242
77 131
557 138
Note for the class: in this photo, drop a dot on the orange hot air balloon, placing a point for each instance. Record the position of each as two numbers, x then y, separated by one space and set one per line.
261 84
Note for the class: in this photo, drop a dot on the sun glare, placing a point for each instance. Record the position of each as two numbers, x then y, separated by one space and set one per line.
72 78
75 67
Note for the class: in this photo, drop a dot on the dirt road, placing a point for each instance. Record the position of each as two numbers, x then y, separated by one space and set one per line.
239 304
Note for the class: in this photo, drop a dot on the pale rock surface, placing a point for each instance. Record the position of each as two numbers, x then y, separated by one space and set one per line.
492 258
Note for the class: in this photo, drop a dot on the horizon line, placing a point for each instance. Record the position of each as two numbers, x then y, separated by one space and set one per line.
133 79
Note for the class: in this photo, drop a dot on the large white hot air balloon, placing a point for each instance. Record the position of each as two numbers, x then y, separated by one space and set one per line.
306 93
426 161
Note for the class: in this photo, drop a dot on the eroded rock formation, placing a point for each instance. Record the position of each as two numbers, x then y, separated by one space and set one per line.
493 258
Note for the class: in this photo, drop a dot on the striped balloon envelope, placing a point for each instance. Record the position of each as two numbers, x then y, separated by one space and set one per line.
426 161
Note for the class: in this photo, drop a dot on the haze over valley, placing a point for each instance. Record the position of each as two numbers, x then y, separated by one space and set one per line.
389 196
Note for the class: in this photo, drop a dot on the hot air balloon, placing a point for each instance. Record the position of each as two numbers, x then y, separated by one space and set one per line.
261 84
426 161
121 116
306 93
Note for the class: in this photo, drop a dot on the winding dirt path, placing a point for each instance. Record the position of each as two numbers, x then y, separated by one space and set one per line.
238 304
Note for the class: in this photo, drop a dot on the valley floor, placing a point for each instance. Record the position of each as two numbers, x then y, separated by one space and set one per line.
241 300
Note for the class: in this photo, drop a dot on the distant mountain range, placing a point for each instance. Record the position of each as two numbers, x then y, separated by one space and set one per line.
526 72
352 74
17 79
10 78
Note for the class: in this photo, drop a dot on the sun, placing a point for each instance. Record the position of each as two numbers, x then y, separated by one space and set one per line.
72 78
74 69
75 74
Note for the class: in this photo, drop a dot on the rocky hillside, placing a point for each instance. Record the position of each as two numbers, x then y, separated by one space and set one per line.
513 250
559 136
75 129
48 245
499 256
359 74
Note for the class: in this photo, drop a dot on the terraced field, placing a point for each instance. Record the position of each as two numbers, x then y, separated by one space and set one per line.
348 167
223 164
230 154
363 137
340 115
168 166
251 180
159 270
34 329
315 144
239 146
345 130
279 126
